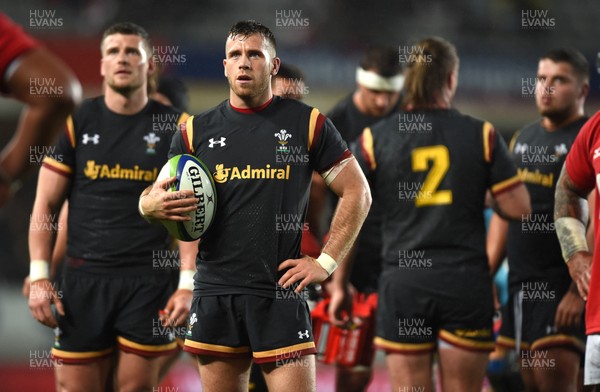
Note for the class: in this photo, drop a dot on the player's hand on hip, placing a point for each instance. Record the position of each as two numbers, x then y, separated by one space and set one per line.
176 312
41 295
305 270
569 311
580 269
160 203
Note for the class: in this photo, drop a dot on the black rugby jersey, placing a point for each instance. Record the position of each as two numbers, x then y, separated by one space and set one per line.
430 170
350 122
110 159
533 249
262 161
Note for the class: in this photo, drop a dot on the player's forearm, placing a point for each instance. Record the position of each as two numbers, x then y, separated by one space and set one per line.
41 231
44 116
350 214
60 243
187 256
496 242
570 217
37 128
569 201
188 250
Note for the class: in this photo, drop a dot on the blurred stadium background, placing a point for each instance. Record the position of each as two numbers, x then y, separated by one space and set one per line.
499 42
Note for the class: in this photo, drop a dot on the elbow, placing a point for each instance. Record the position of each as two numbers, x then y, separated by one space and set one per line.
70 98
366 199
514 204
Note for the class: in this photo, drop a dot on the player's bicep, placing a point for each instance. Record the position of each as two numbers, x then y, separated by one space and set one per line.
349 177
513 203
51 190
177 146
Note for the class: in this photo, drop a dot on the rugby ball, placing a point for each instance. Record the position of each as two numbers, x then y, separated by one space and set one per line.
192 175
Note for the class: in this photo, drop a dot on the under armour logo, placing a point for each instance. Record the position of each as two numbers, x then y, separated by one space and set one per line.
303 335
212 142
596 153
94 139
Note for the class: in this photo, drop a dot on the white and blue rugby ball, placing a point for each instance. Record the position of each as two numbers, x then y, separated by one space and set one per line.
192 175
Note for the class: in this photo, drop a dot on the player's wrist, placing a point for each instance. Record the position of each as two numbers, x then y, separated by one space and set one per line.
186 280
142 211
38 270
571 235
327 262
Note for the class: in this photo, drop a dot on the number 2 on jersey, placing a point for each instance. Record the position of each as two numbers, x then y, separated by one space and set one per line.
440 158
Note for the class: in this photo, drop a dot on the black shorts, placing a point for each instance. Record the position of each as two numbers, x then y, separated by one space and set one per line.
534 309
104 311
416 308
244 326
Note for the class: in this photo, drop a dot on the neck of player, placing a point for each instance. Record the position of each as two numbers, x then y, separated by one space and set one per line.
250 102
126 104
558 121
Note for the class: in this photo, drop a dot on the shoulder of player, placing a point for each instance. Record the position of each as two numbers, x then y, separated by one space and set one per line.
384 126
89 108
528 130
157 106
292 104
592 126
340 109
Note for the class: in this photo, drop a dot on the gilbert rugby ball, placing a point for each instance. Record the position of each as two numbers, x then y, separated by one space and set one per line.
192 175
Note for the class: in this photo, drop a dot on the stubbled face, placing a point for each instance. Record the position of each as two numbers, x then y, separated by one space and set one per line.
125 63
558 91
377 103
249 64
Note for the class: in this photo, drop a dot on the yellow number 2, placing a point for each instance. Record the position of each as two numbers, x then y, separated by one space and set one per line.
429 194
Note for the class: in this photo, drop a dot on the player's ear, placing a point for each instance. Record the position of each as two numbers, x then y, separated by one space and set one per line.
152 67
585 89
102 71
276 62
225 67
452 81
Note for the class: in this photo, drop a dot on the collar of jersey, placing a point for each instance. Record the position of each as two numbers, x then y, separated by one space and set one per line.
252 110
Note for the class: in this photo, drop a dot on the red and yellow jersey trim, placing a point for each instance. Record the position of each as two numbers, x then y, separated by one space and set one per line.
187 133
505 185
504 341
68 356
367 149
182 118
407 348
70 128
488 141
557 341
216 347
57 167
284 350
315 126
146 347
468 344
513 141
